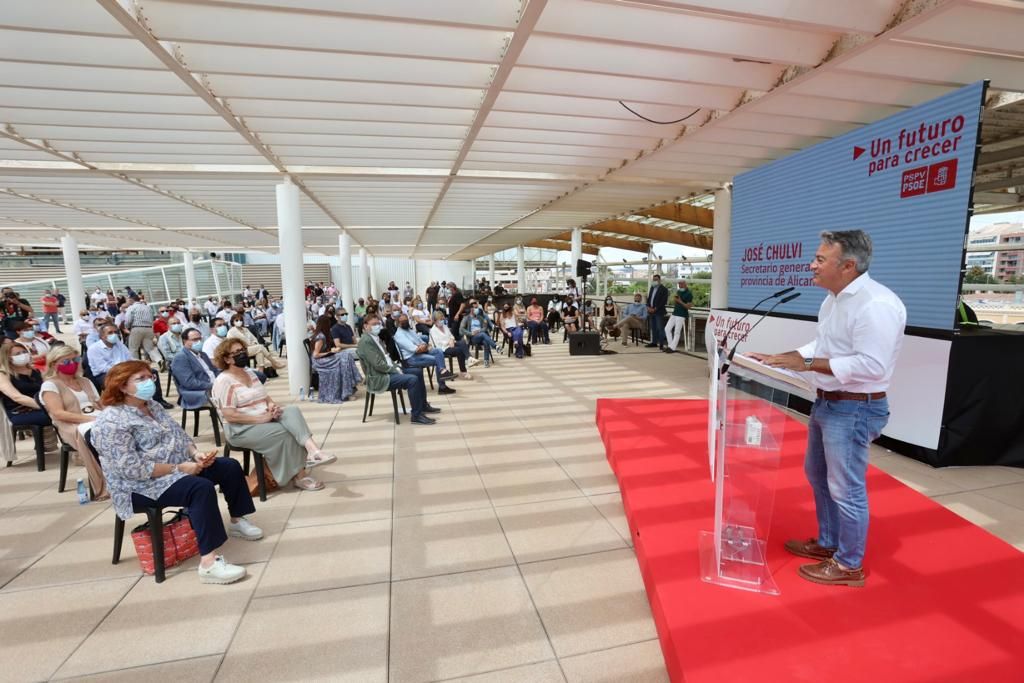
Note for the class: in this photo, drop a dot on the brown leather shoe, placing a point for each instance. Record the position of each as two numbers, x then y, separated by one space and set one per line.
809 549
831 574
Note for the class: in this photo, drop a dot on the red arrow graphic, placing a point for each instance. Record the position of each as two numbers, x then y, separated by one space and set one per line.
857 151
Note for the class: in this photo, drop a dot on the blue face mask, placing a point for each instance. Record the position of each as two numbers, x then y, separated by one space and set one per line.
176 329
112 338
343 317
29 334
222 331
375 330
145 389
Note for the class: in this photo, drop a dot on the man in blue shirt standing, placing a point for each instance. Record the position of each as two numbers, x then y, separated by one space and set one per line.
416 353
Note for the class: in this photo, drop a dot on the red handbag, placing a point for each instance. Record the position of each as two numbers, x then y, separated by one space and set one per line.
180 542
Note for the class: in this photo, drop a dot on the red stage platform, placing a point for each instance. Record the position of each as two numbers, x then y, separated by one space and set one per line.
944 599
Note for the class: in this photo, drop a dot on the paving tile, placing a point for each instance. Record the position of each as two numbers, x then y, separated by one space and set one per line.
328 556
527 483
176 619
448 542
85 556
343 501
42 627
436 457
32 531
334 635
1005 521
1011 494
9 569
591 602
461 624
591 473
610 506
636 663
542 531
195 670
439 493
542 672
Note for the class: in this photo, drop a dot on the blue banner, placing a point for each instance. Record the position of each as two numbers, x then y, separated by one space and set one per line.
906 180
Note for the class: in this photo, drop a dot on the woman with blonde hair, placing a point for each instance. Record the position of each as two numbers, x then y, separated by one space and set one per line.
268 363
73 404
253 420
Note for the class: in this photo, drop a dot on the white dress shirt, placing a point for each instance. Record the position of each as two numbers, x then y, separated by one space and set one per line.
860 332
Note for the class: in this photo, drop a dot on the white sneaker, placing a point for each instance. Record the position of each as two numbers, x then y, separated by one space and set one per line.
465 375
221 572
471 361
244 529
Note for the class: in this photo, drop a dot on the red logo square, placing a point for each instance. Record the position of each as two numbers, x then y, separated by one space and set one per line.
942 176
915 182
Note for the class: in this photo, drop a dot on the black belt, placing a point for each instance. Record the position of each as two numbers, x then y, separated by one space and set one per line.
849 396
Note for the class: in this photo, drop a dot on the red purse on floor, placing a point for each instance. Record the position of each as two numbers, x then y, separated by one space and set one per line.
180 542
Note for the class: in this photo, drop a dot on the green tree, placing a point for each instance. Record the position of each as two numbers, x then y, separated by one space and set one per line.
976 275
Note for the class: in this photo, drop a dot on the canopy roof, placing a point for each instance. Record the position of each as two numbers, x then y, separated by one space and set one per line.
454 128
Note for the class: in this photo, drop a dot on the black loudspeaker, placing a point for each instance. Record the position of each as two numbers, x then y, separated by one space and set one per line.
583 268
584 344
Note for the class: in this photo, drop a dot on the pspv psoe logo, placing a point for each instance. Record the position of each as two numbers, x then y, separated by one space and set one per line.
927 179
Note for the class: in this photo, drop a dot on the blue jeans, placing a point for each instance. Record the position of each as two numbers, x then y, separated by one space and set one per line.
431 357
836 464
483 339
44 324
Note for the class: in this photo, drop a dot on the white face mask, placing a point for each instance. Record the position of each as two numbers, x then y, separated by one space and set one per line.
21 359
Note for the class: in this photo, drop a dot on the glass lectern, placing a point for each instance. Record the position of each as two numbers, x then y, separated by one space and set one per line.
747 428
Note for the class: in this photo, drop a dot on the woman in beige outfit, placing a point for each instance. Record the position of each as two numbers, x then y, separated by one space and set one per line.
264 359
73 405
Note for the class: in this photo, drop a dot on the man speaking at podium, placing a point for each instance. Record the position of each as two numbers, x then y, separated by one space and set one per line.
850 362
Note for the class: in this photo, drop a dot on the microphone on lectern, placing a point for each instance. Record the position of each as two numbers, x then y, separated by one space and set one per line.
732 352
776 295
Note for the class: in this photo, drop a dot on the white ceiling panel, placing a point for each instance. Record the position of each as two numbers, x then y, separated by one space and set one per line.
494 13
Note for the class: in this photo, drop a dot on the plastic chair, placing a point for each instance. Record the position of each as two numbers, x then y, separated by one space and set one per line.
396 395
155 517
40 442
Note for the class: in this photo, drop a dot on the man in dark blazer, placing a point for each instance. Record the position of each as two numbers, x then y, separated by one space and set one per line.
193 371
657 297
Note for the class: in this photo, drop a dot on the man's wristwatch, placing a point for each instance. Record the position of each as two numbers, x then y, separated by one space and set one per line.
808 362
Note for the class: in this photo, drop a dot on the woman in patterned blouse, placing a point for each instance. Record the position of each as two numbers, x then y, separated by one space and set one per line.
149 460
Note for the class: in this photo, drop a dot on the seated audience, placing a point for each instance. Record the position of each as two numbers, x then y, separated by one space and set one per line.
218 332
110 351
20 384
253 420
634 317
554 313
82 327
507 322
609 316
264 360
441 338
476 328
415 352
383 374
193 371
535 322
169 342
337 371
570 315
148 460
73 404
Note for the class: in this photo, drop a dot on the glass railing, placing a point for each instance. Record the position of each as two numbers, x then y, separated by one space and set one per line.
159 284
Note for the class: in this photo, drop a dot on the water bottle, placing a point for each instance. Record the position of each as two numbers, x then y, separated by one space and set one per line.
302 393
83 493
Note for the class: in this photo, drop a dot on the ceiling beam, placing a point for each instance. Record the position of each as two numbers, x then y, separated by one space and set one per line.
560 246
681 213
605 241
171 56
530 14
652 233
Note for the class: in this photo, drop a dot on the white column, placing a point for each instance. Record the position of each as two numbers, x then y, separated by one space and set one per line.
577 249
345 255
364 276
490 275
73 269
289 237
191 289
521 268
373 278
720 253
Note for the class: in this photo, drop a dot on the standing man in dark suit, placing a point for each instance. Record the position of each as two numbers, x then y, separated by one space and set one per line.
657 297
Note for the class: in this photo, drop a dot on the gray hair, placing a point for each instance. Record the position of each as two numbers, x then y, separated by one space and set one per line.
855 245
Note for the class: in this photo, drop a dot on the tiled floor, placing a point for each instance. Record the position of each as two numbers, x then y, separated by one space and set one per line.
489 547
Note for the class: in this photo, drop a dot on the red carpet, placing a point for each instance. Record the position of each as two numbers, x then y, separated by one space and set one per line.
944 599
